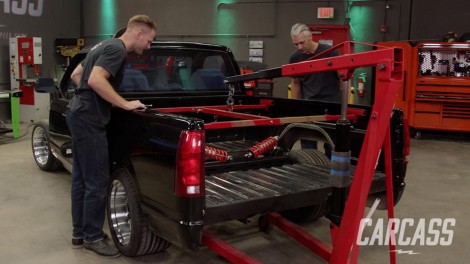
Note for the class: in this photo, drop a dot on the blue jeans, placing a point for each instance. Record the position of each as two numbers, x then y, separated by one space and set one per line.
90 177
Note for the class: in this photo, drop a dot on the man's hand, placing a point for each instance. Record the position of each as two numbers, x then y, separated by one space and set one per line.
136 104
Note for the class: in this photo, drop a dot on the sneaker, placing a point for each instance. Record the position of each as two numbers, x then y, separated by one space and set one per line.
78 242
101 248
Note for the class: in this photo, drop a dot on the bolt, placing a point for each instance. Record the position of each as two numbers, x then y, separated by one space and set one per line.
329 63
381 67
374 116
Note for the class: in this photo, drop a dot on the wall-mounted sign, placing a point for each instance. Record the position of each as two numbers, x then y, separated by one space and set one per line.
325 12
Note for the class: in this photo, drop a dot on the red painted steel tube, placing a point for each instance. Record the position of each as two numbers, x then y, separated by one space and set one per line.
227 113
373 142
219 107
272 121
227 251
389 192
300 235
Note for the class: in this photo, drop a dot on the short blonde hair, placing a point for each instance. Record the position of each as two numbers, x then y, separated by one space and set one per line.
142 19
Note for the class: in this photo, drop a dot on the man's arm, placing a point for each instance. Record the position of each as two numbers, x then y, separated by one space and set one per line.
77 74
296 93
98 81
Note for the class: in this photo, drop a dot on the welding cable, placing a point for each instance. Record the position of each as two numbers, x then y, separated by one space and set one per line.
264 146
217 154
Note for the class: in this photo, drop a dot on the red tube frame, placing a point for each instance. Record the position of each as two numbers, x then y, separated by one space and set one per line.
389 62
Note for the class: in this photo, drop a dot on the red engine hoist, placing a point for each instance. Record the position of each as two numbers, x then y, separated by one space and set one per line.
389 62
350 211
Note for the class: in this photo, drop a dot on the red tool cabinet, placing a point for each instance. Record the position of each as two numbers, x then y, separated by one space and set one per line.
435 94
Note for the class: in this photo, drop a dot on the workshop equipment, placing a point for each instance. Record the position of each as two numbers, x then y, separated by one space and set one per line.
25 58
389 63
436 93
14 97
68 47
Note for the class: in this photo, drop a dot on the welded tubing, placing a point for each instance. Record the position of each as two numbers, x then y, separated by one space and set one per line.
339 172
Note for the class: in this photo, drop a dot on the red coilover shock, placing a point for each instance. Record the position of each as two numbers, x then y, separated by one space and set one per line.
217 154
264 146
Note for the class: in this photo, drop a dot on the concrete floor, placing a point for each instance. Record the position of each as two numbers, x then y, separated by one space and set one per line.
35 215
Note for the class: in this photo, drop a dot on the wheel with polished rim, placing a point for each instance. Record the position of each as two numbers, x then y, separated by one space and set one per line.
41 147
130 232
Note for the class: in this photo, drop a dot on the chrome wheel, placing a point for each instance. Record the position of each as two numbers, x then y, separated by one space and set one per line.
119 213
40 146
129 230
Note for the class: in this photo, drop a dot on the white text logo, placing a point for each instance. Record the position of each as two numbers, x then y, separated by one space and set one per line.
406 232
23 7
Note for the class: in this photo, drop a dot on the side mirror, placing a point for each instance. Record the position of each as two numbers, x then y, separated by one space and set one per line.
45 85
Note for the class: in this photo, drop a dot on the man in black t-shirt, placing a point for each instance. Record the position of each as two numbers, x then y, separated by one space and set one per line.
324 86
97 78
318 86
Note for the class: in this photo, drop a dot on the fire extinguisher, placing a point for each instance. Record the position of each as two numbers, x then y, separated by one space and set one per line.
361 82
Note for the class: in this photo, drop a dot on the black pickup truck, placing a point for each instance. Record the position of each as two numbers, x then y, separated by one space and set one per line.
204 152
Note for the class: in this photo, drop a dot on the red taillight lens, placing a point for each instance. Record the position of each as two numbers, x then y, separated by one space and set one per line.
190 164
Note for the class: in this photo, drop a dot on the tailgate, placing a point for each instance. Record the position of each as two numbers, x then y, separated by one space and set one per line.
241 194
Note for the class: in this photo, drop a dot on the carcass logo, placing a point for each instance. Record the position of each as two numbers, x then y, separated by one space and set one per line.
23 7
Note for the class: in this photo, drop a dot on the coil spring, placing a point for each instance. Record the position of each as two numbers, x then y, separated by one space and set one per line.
217 154
263 146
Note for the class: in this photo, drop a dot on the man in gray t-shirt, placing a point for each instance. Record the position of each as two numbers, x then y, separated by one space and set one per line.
97 78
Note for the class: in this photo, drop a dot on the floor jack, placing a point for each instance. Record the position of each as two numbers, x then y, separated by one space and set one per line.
345 214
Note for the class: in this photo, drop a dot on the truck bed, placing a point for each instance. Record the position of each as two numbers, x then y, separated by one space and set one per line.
241 194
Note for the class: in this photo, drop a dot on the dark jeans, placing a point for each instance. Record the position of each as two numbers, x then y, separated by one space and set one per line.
311 144
90 177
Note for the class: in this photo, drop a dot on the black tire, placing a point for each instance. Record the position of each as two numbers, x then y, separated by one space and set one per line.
314 212
309 156
41 147
131 234
306 214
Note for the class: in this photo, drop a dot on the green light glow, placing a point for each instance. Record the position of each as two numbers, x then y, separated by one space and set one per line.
108 17
225 21
360 21
225 17
361 18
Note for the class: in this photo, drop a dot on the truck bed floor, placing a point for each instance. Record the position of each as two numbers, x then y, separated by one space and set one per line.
240 194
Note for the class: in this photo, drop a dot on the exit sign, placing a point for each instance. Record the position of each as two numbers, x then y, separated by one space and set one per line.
325 12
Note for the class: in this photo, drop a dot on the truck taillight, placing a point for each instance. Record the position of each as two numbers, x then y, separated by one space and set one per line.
190 164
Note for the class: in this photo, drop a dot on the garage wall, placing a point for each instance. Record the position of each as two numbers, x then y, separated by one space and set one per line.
229 22
235 23
48 19
433 19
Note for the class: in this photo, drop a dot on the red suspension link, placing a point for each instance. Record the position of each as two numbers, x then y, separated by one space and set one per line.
263 146
215 153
